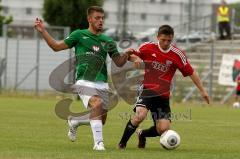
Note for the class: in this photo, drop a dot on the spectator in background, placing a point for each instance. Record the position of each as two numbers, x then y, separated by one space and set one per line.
223 18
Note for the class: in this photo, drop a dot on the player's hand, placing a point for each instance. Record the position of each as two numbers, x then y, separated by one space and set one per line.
138 63
205 96
38 24
130 51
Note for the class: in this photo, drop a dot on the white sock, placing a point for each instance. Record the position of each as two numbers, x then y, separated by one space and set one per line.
82 120
96 126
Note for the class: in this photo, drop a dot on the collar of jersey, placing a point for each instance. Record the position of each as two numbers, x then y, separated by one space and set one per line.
94 34
164 51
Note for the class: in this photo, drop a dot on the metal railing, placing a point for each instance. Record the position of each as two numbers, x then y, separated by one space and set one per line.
211 27
3 64
15 51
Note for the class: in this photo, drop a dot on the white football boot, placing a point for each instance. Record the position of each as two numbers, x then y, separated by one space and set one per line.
72 132
99 146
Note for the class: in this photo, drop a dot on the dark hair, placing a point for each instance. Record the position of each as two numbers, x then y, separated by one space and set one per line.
92 9
166 30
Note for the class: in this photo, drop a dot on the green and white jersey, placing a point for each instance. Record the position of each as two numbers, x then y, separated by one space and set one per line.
91 52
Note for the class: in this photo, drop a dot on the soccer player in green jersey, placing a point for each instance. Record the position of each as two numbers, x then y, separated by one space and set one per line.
91 70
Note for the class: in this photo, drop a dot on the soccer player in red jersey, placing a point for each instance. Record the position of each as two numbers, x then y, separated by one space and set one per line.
237 89
161 61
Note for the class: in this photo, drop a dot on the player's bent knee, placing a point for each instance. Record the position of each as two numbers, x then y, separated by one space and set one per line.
137 119
141 113
96 102
162 126
162 130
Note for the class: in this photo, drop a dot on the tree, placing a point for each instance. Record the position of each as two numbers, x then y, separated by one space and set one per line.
68 12
4 20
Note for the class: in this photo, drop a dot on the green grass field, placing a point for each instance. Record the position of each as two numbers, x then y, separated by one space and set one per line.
29 129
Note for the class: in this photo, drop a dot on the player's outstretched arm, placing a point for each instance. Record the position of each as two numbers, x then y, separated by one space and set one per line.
121 59
238 81
195 78
138 63
52 43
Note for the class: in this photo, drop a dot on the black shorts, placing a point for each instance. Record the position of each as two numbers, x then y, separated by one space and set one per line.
238 92
159 106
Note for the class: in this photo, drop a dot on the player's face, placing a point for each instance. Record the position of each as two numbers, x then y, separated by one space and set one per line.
165 41
96 20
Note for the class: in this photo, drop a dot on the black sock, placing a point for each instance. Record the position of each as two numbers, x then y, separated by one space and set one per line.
129 130
151 132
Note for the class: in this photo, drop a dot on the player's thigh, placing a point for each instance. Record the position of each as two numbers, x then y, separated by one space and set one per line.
92 94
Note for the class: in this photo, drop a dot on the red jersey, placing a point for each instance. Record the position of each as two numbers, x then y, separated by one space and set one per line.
238 85
161 65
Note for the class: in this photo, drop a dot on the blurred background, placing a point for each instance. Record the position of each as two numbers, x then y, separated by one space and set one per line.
26 61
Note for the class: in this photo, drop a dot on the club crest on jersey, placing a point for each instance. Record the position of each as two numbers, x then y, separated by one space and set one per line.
96 48
154 55
103 44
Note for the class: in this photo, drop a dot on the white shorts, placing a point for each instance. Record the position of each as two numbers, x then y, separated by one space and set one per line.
87 89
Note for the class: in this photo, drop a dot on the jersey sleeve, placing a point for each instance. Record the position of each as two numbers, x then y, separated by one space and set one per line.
184 66
72 39
138 53
186 69
141 49
111 48
238 78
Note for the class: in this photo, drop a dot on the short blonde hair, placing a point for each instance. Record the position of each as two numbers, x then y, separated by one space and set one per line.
92 9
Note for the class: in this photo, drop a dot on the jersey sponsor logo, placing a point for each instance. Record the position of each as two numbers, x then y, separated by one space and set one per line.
89 53
85 37
96 48
161 67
